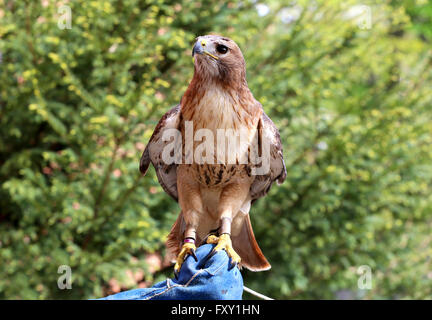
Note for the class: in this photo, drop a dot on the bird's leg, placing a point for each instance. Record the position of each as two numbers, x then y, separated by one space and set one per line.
188 248
231 199
191 204
223 242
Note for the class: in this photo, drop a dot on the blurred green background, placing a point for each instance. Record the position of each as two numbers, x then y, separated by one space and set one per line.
348 83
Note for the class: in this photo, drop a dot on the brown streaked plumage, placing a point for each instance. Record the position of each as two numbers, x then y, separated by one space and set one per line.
217 196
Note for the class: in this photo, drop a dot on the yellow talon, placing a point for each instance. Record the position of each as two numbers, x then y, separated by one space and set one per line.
212 239
224 242
187 248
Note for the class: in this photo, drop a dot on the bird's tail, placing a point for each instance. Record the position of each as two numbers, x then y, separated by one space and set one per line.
245 245
174 240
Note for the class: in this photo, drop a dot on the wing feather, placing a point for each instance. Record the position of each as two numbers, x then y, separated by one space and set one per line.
268 132
166 173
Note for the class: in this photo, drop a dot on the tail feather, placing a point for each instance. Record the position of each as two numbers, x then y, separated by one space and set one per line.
175 238
245 245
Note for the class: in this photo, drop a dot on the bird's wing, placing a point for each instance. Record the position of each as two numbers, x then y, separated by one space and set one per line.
166 173
268 133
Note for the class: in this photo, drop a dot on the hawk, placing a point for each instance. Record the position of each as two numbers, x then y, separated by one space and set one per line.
215 196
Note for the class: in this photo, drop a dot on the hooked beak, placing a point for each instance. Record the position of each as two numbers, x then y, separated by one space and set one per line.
199 48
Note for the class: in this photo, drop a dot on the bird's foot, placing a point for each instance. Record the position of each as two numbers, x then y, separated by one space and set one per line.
224 242
188 248
212 239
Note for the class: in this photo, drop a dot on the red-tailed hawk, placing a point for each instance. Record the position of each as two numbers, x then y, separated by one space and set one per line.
215 196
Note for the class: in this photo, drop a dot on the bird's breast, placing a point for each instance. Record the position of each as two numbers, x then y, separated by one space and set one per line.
217 109
218 175
222 130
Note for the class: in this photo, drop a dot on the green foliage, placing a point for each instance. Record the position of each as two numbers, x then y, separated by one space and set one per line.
353 106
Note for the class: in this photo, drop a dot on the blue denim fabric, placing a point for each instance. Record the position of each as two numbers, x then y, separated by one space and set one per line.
208 279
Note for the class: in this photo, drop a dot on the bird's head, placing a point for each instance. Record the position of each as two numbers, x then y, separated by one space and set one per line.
218 58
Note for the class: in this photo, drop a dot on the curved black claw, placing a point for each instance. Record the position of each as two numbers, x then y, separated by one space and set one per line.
212 253
232 265
193 254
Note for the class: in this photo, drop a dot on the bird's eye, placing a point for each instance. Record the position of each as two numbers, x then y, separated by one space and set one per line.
221 49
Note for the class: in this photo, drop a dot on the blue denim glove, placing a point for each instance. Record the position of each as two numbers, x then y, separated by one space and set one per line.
209 278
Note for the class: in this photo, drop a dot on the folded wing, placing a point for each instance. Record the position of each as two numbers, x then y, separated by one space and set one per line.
166 173
268 133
